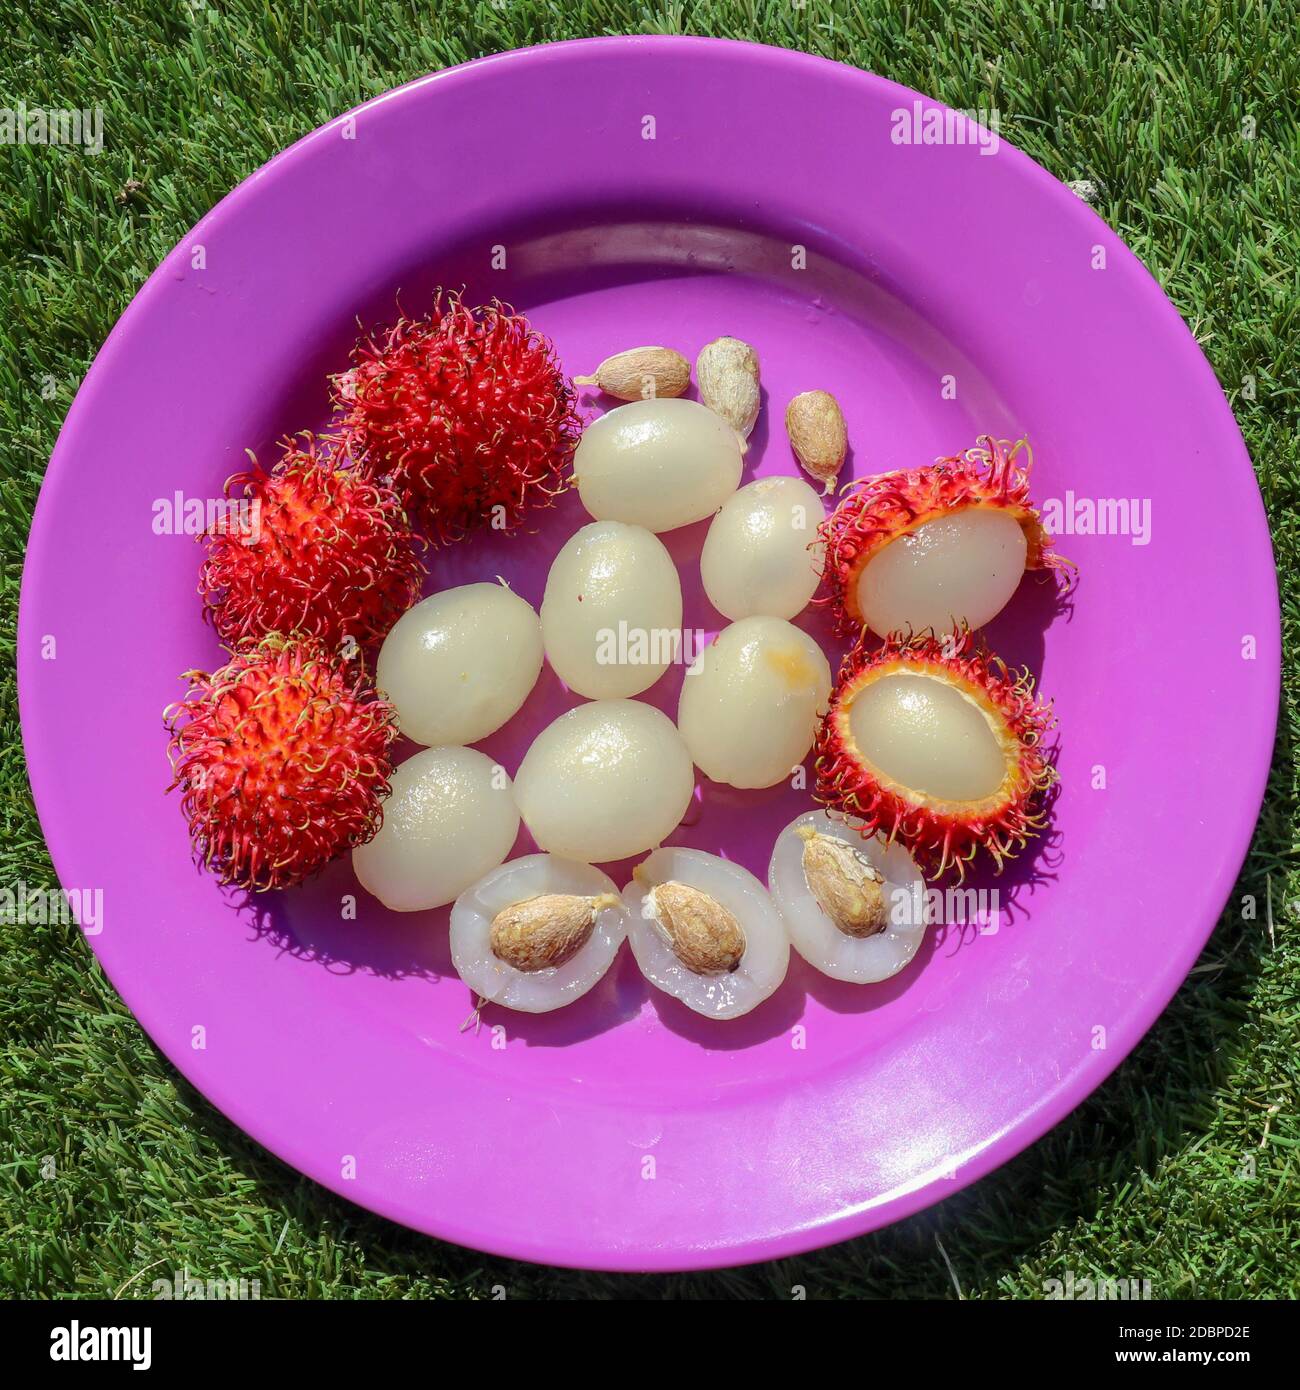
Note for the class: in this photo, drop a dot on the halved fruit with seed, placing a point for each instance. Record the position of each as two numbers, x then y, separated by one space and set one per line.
537 933
935 743
705 931
854 907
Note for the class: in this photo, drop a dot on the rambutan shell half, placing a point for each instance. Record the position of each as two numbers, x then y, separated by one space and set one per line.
878 511
943 834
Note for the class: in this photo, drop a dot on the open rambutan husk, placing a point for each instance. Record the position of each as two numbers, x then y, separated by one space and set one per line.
941 835
876 511
328 553
281 758
466 410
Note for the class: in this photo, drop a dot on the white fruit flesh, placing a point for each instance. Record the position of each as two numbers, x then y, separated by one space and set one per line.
604 781
449 819
658 464
861 960
750 703
958 568
612 614
762 555
767 948
533 876
460 663
929 736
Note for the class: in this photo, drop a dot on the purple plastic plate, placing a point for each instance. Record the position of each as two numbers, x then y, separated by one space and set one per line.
940 291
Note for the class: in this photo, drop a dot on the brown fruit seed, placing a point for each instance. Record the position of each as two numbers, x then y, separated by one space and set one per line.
818 436
543 932
641 374
727 371
846 887
703 934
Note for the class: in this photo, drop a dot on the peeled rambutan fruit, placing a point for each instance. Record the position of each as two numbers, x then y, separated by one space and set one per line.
935 743
936 547
467 411
282 760
315 547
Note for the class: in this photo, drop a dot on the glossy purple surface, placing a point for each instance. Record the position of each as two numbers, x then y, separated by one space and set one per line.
832 1109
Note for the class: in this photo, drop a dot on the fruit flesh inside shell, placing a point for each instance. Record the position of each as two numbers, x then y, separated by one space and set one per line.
935 574
925 734
955 569
942 832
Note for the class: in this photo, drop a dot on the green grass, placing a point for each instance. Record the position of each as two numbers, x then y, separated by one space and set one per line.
1151 1177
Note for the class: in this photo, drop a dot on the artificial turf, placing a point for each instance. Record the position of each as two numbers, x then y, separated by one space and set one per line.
1182 1168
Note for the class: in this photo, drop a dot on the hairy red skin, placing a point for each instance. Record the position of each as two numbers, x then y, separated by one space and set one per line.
329 553
941 835
467 411
879 510
282 762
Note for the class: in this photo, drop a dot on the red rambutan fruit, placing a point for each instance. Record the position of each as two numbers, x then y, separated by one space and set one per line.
315 547
921 580
282 761
467 411
936 744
